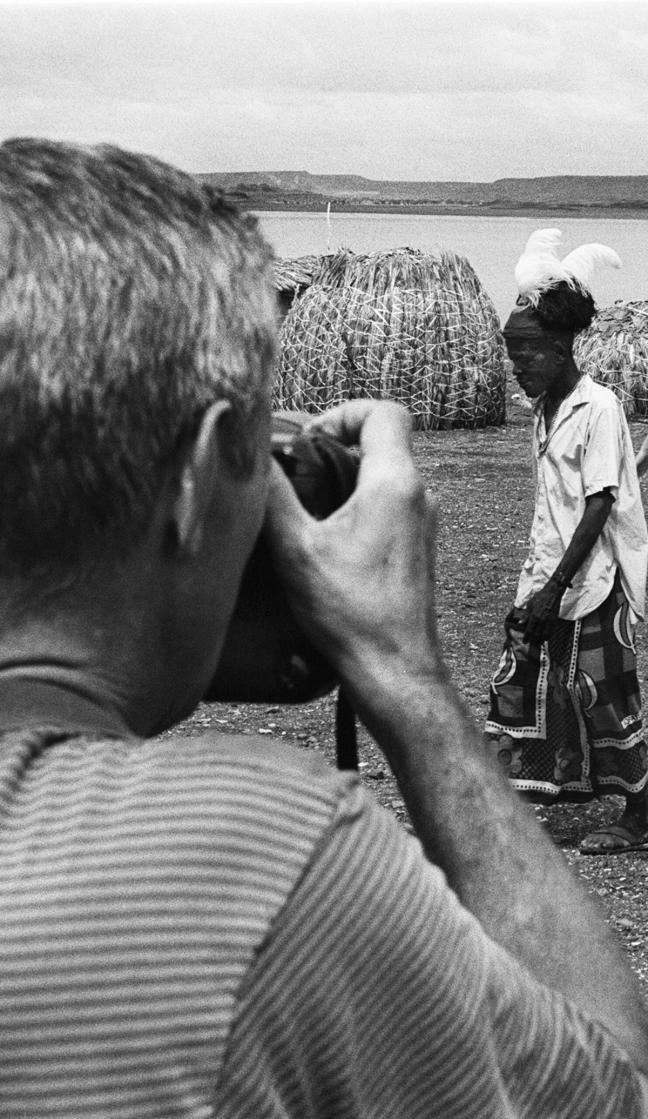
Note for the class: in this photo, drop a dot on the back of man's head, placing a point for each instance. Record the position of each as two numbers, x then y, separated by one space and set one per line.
131 297
561 309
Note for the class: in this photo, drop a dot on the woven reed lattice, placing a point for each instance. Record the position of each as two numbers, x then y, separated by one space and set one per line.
435 348
614 351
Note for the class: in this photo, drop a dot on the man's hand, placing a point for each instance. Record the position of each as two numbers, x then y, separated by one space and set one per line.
361 581
544 606
543 612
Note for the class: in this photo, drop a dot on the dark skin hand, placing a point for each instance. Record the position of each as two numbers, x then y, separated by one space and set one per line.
543 609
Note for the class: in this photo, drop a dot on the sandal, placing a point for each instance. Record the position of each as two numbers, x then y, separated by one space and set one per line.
615 839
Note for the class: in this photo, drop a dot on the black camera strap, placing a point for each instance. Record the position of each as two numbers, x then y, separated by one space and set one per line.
346 734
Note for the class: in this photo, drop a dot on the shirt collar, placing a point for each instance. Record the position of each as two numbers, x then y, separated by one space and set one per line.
580 394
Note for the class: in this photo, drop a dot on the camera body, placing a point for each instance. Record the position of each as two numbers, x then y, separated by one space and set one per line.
266 658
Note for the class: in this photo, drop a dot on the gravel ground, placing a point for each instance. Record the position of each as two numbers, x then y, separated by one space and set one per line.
483 483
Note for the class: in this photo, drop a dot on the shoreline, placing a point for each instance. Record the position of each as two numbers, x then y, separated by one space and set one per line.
620 213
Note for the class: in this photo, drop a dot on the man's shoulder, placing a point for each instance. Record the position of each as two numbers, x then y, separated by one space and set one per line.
235 792
280 802
272 796
599 394
210 768
268 762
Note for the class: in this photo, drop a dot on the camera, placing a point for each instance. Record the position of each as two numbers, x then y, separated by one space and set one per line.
266 658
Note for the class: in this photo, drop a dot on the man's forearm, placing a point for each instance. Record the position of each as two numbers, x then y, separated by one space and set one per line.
503 868
361 583
587 532
641 459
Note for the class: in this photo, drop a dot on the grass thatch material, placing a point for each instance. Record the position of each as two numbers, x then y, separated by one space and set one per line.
404 325
614 351
294 275
292 278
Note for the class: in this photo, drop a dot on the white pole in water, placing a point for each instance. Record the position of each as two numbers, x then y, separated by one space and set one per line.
328 227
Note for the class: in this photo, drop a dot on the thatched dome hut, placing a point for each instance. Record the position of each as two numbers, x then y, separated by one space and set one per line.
614 351
292 277
403 325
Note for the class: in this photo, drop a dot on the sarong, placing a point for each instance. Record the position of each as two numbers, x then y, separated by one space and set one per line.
565 716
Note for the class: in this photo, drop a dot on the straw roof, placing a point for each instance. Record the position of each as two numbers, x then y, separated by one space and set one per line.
405 325
292 275
614 351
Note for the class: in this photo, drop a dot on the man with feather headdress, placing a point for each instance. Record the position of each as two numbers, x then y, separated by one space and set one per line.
565 714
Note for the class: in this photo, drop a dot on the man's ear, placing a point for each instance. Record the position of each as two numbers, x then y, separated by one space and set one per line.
561 350
198 478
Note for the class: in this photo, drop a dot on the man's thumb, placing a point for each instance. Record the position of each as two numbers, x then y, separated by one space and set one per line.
285 515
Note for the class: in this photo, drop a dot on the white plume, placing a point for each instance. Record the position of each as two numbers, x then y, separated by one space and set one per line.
543 240
540 267
580 263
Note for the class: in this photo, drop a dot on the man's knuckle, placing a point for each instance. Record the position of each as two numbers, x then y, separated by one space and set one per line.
403 486
413 488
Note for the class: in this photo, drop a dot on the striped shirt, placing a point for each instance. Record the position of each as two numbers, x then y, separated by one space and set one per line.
224 927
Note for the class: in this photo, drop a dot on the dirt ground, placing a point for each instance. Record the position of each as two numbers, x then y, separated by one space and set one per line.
483 483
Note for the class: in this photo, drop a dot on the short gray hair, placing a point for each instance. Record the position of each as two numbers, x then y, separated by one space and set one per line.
132 296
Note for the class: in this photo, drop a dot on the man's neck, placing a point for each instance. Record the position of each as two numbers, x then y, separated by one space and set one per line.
57 657
560 391
98 643
31 696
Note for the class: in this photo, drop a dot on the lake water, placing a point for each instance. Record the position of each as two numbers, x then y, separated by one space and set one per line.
491 244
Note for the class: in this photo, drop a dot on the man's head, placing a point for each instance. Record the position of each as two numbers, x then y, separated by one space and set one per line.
132 297
539 337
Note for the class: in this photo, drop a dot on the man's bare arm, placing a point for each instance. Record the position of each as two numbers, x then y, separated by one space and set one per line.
543 608
641 458
362 584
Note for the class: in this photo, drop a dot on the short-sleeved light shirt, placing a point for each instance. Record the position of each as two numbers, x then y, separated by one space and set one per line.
587 449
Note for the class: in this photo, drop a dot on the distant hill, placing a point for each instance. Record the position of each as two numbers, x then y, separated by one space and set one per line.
575 191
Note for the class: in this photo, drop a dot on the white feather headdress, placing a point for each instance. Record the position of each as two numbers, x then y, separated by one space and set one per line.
540 268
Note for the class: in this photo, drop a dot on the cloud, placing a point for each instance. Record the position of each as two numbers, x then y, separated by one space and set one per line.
398 90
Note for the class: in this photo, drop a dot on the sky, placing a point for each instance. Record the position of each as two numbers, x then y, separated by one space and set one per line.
394 90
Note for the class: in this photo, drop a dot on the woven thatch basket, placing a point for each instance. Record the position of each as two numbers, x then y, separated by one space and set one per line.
614 351
403 325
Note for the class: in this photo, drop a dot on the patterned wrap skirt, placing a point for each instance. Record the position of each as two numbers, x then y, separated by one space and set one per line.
565 716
